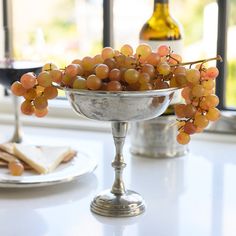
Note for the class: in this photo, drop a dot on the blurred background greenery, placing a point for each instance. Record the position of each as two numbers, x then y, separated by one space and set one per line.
62 30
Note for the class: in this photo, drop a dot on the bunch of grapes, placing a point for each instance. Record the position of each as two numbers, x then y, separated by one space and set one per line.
129 70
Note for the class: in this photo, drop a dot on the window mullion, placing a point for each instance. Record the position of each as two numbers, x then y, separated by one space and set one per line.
222 50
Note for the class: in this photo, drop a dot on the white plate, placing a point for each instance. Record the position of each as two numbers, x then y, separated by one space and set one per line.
78 167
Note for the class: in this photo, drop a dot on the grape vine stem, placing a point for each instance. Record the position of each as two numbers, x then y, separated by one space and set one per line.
217 58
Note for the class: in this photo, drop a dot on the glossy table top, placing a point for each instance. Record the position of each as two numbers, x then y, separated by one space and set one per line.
190 195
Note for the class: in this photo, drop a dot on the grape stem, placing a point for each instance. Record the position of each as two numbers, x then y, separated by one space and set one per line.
218 58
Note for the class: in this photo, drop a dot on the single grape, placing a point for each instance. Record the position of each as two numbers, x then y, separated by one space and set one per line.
183 138
131 76
93 82
179 70
79 83
198 91
17 89
180 110
114 86
102 71
28 80
77 61
212 100
88 63
27 108
145 86
153 59
181 80
44 79
49 66
41 113
212 72
15 168
115 74
107 52
175 59
201 121
126 50
149 69
193 76
143 51
130 62
40 103
163 68
213 114
98 59
208 84
67 80
120 60
30 94
144 78
50 92
56 76
190 111
111 63
189 128
163 50
159 84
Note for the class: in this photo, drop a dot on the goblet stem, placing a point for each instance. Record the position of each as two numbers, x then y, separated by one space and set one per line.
17 136
119 131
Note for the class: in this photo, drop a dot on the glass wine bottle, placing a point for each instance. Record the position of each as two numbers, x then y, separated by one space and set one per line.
156 138
162 28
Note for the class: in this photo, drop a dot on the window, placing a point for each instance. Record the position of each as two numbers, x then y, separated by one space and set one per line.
62 30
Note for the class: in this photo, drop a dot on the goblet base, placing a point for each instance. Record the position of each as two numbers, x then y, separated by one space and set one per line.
108 204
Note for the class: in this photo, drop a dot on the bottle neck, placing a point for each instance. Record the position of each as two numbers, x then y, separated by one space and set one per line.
161 7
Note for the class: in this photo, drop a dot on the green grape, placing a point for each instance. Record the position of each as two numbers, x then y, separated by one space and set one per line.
93 82
198 91
143 51
163 68
107 52
153 59
193 76
102 71
131 76
44 79
201 121
126 50
88 63
213 114
79 83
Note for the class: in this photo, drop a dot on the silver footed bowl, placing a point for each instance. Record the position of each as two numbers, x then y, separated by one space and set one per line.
119 108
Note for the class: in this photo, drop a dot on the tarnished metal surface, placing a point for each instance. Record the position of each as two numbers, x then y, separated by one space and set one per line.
156 138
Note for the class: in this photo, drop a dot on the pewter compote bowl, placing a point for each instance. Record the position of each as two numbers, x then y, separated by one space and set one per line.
119 108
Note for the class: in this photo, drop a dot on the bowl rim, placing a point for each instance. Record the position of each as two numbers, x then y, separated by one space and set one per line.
98 93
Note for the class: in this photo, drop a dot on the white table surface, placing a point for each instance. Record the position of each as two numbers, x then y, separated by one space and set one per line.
194 195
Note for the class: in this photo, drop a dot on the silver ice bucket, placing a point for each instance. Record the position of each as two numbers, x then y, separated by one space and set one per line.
156 138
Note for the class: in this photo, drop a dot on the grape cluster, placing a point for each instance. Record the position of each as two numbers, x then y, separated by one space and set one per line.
129 70
36 90
200 102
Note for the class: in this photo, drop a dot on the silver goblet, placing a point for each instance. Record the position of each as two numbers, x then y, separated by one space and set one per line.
119 108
